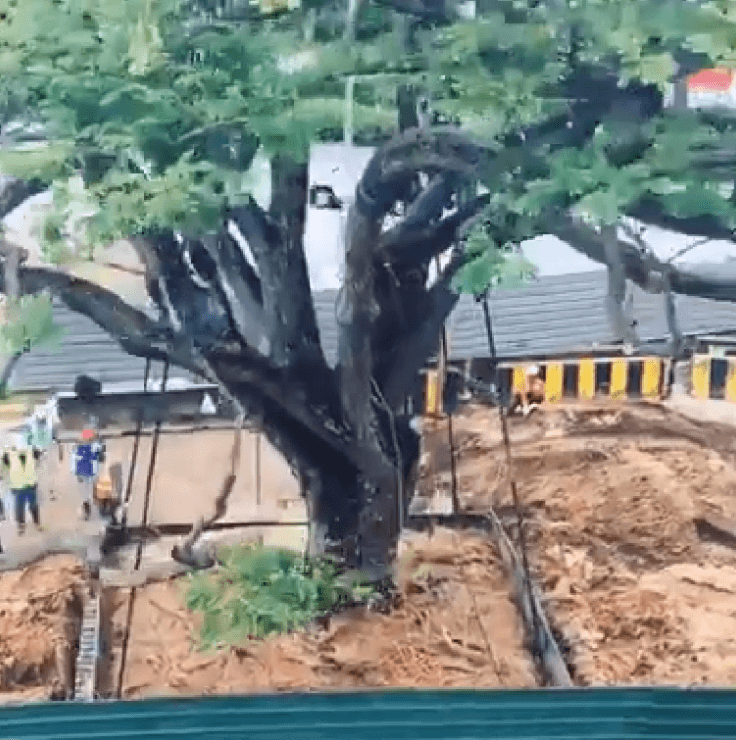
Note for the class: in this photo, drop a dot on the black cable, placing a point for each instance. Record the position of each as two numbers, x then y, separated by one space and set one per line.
453 466
509 462
136 445
144 522
151 468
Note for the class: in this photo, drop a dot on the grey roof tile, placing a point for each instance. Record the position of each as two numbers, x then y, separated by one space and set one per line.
84 348
554 315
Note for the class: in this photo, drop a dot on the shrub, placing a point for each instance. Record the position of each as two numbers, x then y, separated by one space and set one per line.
260 591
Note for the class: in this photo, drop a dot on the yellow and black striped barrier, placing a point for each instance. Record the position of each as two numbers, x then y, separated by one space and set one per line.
588 378
585 378
714 377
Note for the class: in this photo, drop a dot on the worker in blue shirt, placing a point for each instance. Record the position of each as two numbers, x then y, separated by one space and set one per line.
86 460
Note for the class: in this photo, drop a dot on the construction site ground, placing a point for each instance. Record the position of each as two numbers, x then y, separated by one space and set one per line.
630 517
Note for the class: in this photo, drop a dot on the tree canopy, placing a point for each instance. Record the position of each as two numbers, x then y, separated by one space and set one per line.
543 117
161 104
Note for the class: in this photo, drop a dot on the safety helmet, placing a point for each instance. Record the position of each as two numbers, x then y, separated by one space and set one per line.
88 434
532 370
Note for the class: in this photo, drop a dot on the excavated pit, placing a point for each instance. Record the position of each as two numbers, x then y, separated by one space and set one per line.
40 619
631 520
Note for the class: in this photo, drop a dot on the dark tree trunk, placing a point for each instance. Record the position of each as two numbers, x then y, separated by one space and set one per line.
239 312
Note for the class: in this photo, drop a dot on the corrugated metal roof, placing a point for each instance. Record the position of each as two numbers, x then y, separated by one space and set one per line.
84 348
579 714
554 315
567 313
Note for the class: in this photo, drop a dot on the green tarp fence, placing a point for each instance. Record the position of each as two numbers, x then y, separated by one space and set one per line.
577 714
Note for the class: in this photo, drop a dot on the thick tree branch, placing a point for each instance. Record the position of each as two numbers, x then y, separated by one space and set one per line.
368 295
357 296
591 243
136 333
240 289
288 310
650 211
408 356
715 282
402 246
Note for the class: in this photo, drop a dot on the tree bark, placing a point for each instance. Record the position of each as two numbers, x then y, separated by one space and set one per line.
253 330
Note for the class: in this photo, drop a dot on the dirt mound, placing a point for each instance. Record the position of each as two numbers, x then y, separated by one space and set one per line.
40 612
613 498
455 626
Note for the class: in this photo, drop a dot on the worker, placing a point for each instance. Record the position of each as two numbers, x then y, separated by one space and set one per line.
531 396
87 457
103 488
20 468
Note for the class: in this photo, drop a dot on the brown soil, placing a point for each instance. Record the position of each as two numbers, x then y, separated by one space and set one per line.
615 500
456 626
40 612
631 519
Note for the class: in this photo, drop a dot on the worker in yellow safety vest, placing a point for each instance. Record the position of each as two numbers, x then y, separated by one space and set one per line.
20 469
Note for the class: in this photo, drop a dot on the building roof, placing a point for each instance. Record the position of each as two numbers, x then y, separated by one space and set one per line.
554 315
711 80
84 349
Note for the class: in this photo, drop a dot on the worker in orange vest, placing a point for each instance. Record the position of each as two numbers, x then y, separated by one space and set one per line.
531 396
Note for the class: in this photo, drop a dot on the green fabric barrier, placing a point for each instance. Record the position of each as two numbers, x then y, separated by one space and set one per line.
577 714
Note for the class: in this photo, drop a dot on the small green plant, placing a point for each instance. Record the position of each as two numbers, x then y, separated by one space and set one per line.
260 591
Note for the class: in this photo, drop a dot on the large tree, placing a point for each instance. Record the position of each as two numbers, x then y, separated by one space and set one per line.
162 118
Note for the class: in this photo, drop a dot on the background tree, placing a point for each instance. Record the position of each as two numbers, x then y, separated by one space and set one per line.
161 106
27 324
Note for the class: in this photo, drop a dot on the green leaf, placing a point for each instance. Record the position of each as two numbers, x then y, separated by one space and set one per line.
602 206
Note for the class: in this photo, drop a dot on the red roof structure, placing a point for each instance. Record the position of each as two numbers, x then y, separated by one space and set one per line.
711 80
